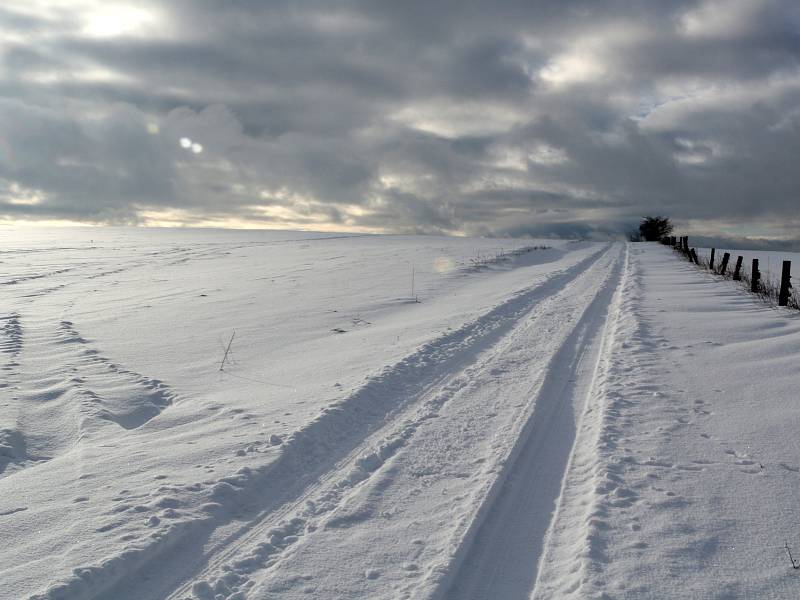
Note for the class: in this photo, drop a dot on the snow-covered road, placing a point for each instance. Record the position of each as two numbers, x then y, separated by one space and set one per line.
573 421
396 516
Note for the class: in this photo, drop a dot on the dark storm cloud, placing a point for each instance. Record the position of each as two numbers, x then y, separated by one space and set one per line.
569 117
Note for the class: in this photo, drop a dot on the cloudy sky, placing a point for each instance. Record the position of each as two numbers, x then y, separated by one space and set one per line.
510 117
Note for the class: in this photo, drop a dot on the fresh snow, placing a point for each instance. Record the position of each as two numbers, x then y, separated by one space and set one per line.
577 421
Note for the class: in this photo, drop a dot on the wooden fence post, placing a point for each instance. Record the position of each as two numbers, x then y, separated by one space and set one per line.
737 273
724 266
755 276
693 256
711 264
783 296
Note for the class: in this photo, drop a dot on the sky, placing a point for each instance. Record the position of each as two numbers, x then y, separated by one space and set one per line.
513 117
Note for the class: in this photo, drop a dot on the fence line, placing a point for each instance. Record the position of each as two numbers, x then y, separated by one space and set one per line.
781 293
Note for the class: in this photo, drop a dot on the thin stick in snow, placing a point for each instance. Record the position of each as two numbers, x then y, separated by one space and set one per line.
227 351
795 564
412 284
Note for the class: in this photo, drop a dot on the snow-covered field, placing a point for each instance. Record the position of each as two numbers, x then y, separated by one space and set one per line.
582 420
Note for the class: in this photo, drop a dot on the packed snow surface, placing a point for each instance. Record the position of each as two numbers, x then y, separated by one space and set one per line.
252 415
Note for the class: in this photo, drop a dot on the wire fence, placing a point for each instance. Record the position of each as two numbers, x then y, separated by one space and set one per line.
775 292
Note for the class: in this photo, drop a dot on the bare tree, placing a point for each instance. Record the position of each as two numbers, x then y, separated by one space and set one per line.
652 229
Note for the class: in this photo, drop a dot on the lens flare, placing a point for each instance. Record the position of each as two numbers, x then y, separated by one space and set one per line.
443 265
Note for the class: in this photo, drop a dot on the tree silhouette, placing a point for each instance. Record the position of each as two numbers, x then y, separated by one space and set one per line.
652 229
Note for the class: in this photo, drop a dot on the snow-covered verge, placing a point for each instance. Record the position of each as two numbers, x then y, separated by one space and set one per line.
586 420
689 488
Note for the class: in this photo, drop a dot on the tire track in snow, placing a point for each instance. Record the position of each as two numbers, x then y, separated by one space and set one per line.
578 516
451 458
309 458
501 560
295 529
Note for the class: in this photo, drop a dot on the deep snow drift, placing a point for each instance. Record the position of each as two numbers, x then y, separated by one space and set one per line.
398 417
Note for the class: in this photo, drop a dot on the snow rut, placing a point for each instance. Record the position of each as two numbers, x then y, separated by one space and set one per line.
263 512
573 535
440 372
440 464
500 558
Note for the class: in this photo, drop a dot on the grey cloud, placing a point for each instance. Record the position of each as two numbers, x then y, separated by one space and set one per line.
569 117
91 168
595 231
